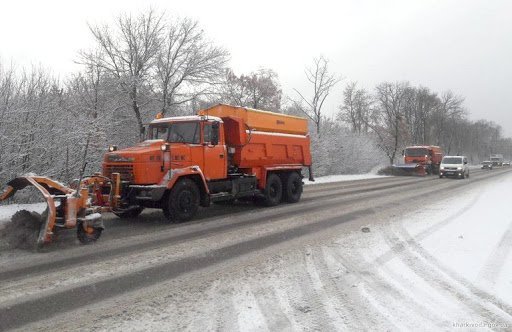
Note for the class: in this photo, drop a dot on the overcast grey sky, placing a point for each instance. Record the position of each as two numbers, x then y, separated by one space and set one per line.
464 46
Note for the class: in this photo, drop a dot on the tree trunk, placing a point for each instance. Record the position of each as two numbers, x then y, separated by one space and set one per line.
136 110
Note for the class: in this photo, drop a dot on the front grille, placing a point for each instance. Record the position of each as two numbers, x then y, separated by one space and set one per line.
126 171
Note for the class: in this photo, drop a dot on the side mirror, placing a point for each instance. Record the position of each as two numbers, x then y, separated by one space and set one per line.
214 139
403 152
465 163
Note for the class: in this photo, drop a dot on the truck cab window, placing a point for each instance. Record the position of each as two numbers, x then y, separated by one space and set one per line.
419 152
186 132
207 132
158 132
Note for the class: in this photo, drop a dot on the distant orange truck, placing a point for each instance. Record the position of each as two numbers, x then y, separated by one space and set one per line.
421 159
221 154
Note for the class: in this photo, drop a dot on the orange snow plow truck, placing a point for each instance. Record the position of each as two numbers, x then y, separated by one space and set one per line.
421 160
223 153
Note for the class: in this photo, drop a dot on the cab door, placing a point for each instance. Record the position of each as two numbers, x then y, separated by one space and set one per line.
215 156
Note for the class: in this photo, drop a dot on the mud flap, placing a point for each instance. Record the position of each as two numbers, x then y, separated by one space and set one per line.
310 171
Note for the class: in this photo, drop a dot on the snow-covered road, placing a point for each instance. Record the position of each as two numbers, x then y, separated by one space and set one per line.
445 266
437 257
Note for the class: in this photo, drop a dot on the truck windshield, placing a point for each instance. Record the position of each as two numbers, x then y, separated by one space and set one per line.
452 160
416 152
185 132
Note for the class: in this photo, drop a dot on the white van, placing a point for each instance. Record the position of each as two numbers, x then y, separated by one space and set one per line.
456 166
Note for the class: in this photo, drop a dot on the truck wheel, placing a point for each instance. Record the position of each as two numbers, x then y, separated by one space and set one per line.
131 212
183 201
87 236
293 189
273 190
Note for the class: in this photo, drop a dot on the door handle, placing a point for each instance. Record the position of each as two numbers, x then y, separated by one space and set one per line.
221 155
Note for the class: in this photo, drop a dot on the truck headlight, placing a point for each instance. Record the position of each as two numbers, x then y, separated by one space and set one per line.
112 148
165 147
442 168
459 168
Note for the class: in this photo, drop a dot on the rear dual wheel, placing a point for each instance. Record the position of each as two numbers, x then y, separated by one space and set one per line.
275 191
293 189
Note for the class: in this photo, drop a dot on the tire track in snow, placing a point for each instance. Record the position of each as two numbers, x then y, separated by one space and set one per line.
285 303
329 303
224 308
339 280
268 302
380 294
496 260
308 303
248 313
482 294
211 307
432 271
393 251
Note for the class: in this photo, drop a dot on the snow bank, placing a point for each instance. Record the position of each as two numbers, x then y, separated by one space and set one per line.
7 211
343 177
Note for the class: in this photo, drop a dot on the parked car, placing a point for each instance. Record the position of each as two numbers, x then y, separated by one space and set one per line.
506 163
456 166
486 165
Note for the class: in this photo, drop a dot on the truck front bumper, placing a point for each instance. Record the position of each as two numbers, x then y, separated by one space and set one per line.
148 193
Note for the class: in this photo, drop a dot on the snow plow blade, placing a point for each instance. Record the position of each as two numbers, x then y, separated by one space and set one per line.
409 169
48 189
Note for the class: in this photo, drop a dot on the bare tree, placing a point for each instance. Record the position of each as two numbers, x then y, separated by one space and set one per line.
128 52
391 128
449 111
356 109
260 90
322 82
92 99
186 59
426 103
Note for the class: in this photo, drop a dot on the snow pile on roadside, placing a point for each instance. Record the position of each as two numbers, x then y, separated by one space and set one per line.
7 211
342 177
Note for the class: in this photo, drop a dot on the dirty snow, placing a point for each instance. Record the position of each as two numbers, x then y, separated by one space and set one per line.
7 211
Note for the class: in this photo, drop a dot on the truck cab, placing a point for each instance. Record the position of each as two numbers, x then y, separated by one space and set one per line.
192 141
427 156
